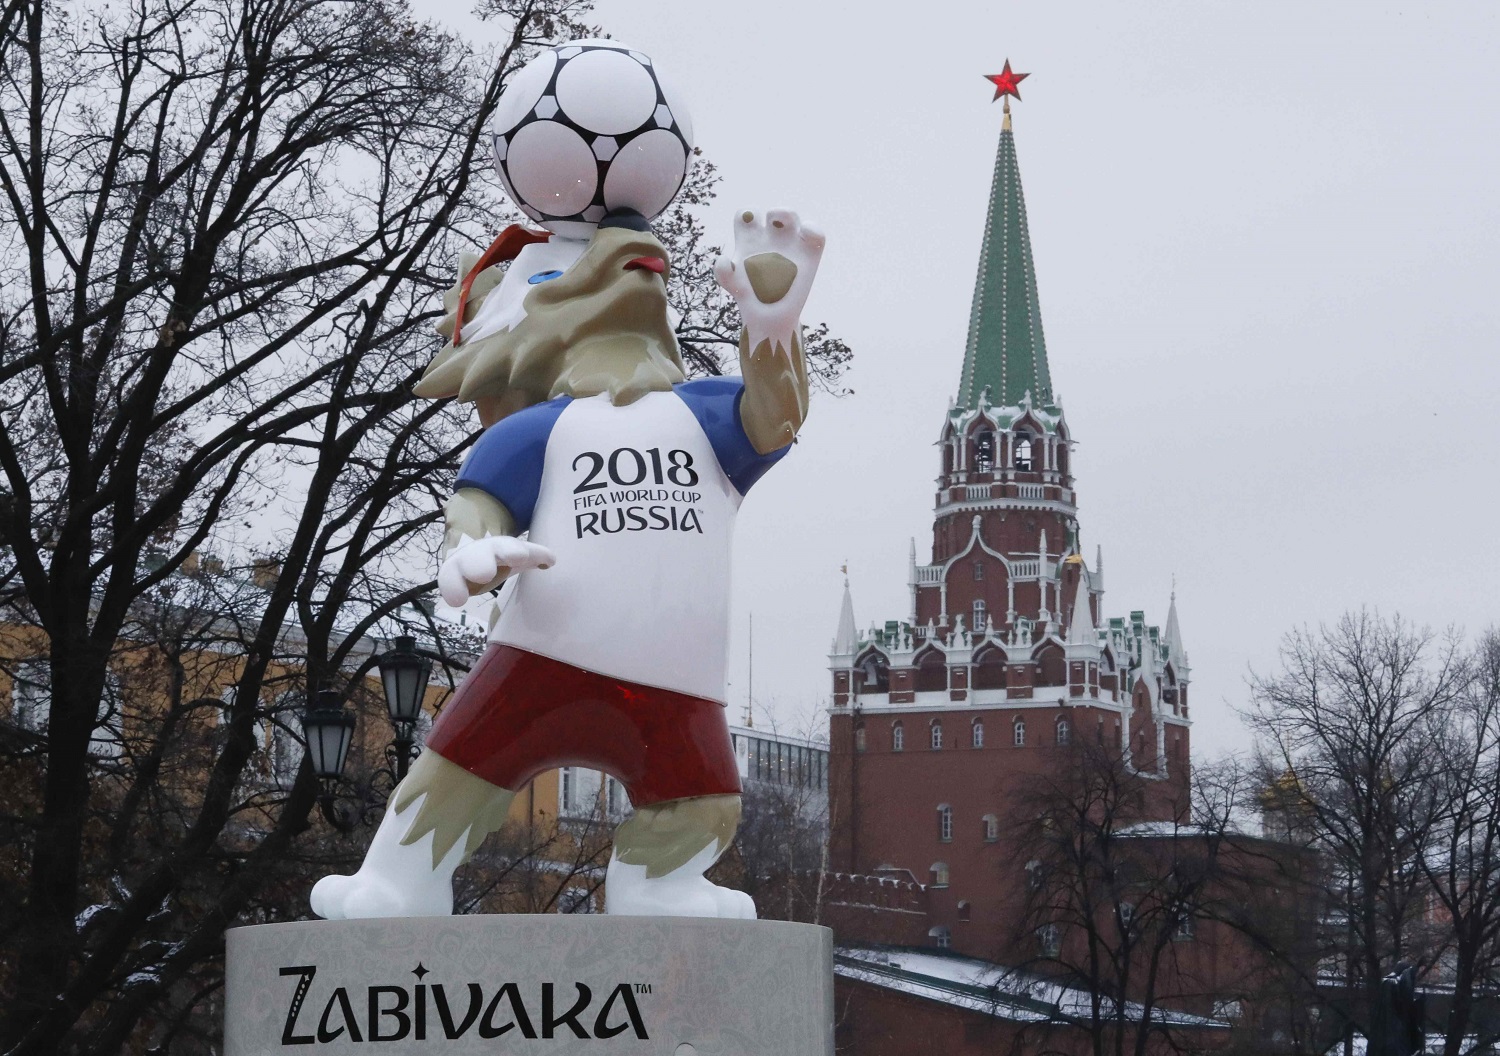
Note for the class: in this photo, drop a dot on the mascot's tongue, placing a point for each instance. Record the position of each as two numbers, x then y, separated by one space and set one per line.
655 264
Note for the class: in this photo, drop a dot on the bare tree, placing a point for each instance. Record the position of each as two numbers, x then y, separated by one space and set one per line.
225 226
1360 729
1121 889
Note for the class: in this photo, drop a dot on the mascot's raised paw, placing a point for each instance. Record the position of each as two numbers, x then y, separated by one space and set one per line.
476 565
770 272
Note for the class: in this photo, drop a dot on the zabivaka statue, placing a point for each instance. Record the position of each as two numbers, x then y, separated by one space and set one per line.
606 486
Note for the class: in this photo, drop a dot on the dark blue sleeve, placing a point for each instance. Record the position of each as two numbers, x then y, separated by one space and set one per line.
715 402
506 463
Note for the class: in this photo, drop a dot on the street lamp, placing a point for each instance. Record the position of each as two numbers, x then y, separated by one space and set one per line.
404 673
328 729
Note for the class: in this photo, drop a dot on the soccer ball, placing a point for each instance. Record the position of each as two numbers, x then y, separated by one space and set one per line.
587 127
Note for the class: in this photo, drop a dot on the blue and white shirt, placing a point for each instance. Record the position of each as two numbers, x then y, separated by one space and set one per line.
638 503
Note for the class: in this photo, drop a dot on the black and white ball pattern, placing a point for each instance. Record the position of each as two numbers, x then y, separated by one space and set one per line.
587 127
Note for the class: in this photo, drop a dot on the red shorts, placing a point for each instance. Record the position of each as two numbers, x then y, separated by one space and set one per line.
518 714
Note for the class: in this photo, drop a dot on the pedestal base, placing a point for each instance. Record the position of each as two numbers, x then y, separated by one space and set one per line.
524 984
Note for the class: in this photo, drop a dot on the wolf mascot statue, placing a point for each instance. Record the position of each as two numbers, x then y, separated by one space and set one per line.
606 485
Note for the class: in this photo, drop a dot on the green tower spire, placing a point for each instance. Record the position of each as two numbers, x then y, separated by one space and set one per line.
1006 351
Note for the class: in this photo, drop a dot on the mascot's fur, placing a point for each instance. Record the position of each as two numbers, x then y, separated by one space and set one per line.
597 328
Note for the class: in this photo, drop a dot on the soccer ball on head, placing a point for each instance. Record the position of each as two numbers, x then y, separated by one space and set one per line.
588 127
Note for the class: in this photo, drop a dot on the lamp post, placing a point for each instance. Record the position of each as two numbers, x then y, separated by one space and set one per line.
404 673
328 727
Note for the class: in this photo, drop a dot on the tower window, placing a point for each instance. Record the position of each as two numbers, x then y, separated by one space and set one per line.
978 615
945 823
977 734
1020 733
898 737
978 571
941 936
1023 452
991 828
963 910
984 452
937 736
939 873
1064 732
859 738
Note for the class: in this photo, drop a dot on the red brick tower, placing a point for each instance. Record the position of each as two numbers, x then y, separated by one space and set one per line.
940 719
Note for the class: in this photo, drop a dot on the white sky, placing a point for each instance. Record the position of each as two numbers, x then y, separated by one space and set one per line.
1267 241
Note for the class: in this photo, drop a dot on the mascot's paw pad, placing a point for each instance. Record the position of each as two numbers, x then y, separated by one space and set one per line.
771 270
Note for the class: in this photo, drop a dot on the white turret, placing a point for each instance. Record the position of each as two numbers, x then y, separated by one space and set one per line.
846 641
1176 654
1083 637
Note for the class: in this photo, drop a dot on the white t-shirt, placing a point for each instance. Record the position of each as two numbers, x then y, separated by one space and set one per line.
638 503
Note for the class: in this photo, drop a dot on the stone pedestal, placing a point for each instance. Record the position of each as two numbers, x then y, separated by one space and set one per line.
531 984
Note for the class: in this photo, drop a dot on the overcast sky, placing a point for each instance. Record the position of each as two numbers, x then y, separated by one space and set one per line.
1266 244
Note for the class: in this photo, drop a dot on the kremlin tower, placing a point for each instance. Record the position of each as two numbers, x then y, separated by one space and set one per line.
1006 660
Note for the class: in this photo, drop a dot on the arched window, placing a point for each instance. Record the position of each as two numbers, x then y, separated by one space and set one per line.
991 828
1023 451
1020 733
859 737
945 823
31 695
1036 874
989 672
1064 732
1127 914
874 674
939 873
898 736
941 937
984 451
1185 925
976 734
286 746
1049 938
936 736
932 672
963 910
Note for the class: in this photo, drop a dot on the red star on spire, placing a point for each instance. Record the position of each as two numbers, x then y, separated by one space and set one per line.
1005 82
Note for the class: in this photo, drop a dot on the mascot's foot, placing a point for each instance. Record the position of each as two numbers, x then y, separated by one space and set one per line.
395 881
362 895
684 892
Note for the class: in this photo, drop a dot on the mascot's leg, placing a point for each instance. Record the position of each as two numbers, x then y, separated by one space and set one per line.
661 854
436 819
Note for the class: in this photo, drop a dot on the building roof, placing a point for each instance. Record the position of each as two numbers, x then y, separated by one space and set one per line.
1006 351
982 986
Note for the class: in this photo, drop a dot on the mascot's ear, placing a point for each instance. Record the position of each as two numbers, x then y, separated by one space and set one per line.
511 241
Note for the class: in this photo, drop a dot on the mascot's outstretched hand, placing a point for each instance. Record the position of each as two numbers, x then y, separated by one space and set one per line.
479 563
770 273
